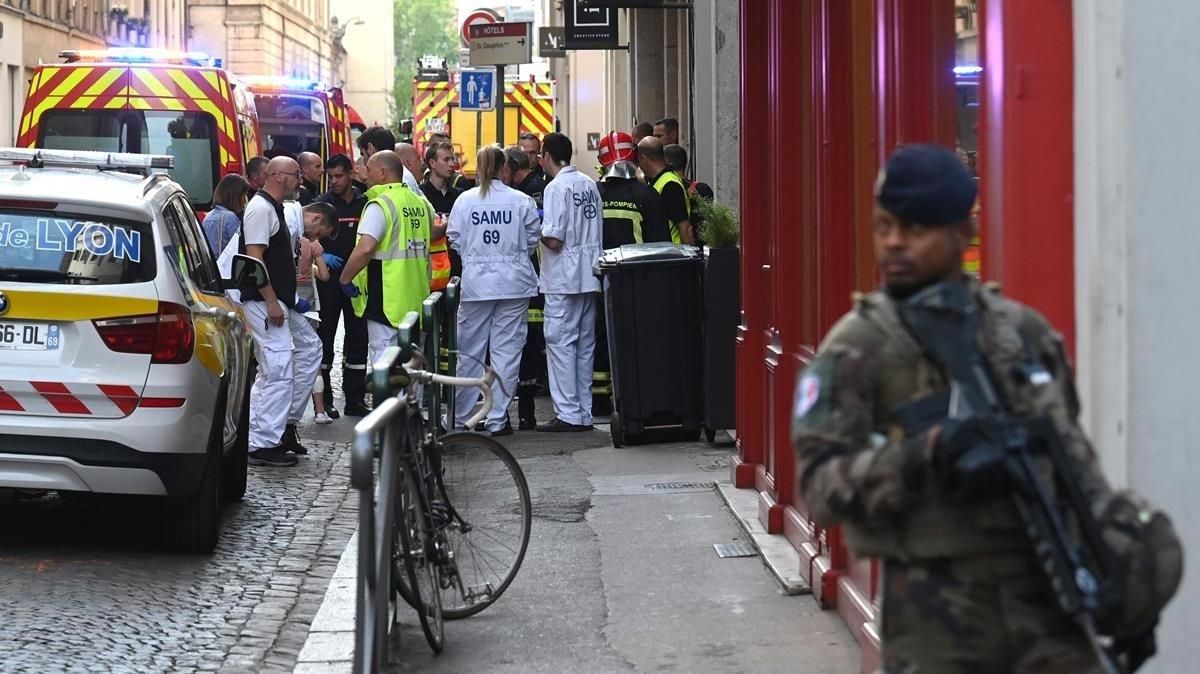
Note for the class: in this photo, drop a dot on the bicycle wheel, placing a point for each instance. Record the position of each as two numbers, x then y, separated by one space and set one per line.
485 487
420 562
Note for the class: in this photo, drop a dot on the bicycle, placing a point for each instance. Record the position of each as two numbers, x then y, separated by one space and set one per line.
447 545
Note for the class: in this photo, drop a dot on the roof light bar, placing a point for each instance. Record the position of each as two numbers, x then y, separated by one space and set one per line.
36 158
277 82
137 55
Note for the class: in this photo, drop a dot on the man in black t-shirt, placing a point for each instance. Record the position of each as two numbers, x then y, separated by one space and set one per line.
349 203
667 183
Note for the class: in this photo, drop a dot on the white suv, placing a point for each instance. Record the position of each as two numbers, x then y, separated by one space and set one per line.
124 368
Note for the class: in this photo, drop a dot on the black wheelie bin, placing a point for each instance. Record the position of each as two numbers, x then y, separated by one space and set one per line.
653 309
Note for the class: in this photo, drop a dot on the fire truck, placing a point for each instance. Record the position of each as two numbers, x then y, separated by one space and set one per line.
529 107
145 101
298 115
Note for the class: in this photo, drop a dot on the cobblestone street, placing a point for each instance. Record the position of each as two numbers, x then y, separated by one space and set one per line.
84 585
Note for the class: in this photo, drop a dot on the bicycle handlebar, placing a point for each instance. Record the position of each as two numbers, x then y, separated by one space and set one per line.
415 368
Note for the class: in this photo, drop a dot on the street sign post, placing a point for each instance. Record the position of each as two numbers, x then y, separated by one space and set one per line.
477 89
501 44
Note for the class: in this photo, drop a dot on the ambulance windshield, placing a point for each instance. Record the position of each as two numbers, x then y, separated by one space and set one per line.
291 124
190 137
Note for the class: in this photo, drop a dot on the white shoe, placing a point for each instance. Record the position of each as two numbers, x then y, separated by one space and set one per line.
323 418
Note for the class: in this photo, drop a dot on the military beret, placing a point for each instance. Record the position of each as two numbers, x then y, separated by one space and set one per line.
926 185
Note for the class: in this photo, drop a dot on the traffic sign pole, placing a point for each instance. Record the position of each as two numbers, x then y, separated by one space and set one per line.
499 94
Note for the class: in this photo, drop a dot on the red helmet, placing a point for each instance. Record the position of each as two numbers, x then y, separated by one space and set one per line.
616 146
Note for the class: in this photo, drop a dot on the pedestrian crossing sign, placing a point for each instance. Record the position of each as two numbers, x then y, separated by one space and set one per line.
477 89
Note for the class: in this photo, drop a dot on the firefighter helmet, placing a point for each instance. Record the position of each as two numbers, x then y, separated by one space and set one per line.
616 146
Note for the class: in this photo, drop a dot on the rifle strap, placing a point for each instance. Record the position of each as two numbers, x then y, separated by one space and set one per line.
880 310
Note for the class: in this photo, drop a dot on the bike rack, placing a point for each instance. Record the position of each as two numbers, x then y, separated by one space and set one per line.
376 435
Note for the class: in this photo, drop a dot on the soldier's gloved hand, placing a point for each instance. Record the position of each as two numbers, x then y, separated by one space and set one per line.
303 306
969 456
349 289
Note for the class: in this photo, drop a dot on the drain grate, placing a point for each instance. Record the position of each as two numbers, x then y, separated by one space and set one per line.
676 486
726 550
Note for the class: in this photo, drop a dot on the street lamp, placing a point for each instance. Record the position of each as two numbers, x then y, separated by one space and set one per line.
337 31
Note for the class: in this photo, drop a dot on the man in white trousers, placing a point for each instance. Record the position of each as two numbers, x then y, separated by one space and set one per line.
571 243
387 275
494 229
287 347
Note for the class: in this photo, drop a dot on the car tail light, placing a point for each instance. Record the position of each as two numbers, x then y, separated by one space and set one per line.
168 336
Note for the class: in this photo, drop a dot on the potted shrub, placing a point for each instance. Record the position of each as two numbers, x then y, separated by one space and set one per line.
722 310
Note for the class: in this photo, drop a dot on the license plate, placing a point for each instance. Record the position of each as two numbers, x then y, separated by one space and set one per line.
17 336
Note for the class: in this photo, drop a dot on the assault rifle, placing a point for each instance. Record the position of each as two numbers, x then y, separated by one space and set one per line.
1057 516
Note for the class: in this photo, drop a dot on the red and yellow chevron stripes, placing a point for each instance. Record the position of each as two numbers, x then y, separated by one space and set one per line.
432 100
537 106
106 86
339 124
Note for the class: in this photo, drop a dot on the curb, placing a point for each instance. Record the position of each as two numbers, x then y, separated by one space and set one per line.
330 643
777 552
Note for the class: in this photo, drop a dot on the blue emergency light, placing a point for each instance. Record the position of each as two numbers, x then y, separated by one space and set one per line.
277 82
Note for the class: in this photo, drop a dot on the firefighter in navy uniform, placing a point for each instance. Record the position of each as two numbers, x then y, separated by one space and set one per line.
349 203
633 213
519 175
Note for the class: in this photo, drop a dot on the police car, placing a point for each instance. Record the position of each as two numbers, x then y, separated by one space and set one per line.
124 368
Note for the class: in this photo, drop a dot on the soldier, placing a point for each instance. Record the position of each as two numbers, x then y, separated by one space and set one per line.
962 588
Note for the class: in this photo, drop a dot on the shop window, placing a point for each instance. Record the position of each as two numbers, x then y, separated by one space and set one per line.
968 69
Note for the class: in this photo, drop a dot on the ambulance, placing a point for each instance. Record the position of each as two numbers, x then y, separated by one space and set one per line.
146 101
297 115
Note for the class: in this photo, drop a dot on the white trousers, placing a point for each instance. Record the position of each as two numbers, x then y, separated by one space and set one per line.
494 329
289 358
379 337
570 325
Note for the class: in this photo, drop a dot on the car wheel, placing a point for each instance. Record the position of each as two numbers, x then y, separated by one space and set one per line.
234 467
194 522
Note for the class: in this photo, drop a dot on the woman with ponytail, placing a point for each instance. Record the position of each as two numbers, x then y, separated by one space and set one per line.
494 228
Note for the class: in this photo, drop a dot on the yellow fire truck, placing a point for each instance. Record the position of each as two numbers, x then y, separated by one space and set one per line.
528 107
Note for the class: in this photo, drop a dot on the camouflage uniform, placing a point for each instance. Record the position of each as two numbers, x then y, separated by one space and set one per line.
962 591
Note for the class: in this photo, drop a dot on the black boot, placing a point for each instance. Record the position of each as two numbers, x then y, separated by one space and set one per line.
291 441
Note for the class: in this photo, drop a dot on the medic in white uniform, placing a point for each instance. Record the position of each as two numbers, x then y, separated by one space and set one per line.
571 243
287 347
494 228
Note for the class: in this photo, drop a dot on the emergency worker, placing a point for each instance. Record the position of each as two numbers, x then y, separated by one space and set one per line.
494 228
387 275
256 173
633 212
518 174
531 145
311 173
962 588
667 183
287 348
439 255
571 239
335 306
666 130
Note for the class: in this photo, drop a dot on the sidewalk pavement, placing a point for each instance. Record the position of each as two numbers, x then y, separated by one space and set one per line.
622 574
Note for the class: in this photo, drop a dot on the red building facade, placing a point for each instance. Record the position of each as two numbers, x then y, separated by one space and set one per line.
829 89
